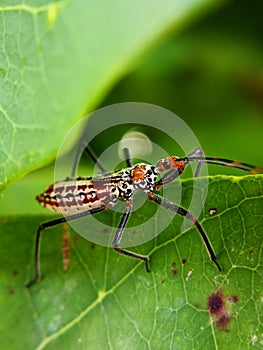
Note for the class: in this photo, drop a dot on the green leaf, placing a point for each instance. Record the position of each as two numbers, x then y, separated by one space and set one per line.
57 61
107 301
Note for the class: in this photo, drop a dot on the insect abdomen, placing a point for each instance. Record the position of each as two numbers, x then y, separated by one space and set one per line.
74 196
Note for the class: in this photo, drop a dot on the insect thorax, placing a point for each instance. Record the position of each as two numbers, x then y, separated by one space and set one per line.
143 176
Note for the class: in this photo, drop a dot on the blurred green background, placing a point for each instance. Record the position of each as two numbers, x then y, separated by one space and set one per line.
209 73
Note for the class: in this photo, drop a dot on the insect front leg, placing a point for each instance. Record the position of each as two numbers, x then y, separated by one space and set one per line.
127 156
168 177
49 224
183 212
119 234
199 152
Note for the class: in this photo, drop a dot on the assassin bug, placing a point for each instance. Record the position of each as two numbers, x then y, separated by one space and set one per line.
77 197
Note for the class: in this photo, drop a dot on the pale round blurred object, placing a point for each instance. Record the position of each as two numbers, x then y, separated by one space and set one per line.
137 143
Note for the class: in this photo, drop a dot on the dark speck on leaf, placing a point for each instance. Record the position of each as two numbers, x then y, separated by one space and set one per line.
10 291
212 211
234 298
174 272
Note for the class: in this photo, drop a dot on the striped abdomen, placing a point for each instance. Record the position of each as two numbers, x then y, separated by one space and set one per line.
77 195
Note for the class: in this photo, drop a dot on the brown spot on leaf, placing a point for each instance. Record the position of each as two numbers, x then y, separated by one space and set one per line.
10 290
217 306
174 272
184 261
223 322
233 298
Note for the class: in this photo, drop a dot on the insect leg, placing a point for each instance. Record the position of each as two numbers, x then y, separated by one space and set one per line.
52 223
183 212
118 237
199 152
127 156
168 177
82 147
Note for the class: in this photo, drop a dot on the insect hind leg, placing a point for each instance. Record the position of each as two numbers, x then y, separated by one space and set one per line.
49 224
82 147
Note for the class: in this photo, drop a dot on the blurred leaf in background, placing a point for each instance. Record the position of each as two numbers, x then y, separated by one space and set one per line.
59 59
211 75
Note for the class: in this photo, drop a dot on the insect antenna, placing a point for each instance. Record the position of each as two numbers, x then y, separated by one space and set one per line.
253 169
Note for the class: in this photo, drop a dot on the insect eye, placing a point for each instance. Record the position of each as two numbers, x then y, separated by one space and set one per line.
166 165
